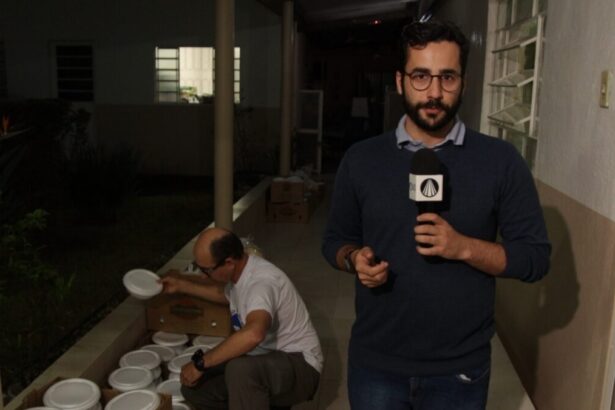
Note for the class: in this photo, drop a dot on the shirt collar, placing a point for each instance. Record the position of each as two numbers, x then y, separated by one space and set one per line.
404 140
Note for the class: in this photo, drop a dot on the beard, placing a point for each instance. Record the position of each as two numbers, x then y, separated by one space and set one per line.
413 111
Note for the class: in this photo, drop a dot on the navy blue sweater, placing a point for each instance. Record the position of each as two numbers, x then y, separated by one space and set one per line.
433 316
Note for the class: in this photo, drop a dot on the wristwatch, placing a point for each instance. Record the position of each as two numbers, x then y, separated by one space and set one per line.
348 262
197 360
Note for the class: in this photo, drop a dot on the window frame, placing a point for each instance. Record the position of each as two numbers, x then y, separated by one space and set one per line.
512 81
236 73
62 93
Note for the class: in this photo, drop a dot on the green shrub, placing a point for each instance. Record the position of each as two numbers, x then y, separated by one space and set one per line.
21 265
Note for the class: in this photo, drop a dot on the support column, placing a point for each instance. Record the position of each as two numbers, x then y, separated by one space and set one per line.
223 114
286 97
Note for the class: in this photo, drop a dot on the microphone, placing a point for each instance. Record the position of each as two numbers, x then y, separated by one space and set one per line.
426 181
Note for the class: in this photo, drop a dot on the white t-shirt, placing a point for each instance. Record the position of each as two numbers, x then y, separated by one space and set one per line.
263 286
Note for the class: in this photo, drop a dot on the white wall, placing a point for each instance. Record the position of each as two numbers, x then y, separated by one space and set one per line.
124 34
576 149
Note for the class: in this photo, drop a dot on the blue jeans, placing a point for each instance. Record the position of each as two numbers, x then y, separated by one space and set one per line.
371 390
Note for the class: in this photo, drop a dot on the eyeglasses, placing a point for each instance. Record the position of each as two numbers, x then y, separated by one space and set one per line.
203 269
421 80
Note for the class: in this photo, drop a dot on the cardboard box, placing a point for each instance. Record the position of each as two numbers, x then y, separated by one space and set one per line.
289 212
187 314
35 397
284 190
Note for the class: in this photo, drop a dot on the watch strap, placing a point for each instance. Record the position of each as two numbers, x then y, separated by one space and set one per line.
197 360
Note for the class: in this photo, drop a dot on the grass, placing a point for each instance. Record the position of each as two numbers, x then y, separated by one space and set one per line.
37 326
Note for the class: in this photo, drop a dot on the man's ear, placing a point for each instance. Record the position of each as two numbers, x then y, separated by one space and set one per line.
399 82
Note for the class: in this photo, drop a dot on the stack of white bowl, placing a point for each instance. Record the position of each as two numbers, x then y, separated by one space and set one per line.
175 365
166 355
73 394
209 341
176 341
130 378
134 400
52 408
171 387
143 358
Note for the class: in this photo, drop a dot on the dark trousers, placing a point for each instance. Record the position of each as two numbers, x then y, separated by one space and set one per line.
372 390
258 382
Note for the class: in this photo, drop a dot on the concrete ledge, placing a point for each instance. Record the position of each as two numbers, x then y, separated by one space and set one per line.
97 353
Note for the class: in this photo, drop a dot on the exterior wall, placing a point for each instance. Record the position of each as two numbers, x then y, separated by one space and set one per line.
560 331
178 139
124 35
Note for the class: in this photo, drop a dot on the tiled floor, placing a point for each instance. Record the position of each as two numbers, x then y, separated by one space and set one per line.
329 295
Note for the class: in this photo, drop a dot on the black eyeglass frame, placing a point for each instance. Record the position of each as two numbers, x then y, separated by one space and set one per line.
431 77
205 270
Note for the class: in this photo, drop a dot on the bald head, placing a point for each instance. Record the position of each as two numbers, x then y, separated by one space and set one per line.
216 244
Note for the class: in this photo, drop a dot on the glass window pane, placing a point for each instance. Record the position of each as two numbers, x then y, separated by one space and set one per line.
236 64
236 87
237 52
167 53
168 75
167 64
516 139
168 86
236 76
524 9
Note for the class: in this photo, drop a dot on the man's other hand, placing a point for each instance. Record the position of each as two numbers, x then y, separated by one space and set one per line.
446 242
371 273
189 375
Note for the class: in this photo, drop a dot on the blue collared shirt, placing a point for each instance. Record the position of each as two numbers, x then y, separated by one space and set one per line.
405 140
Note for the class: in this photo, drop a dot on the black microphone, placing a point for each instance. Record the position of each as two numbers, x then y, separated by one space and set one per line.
426 181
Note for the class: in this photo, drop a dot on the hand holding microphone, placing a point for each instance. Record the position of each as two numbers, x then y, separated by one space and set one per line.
433 234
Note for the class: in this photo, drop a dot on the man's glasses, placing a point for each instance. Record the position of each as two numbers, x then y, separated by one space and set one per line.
205 270
421 80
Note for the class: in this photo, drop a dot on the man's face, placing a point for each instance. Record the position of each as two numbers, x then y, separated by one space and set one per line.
220 272
434 108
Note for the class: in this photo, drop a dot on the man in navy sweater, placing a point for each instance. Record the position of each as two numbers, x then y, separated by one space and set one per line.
424 314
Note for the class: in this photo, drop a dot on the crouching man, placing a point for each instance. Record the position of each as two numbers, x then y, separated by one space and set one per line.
274 357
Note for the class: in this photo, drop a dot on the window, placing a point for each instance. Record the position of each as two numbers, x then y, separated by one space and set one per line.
74 73
515 77
3 87
186 74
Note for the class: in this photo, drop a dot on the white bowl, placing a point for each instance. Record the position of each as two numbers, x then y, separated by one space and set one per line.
131 378
192 349
175 365
176 341
74 394
166 353
172 388
209 341
142 283
135 400
142 358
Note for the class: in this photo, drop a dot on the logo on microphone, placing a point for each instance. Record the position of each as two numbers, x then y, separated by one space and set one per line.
426 188
430 188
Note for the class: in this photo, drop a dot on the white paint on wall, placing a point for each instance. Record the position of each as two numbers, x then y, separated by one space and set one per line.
576 148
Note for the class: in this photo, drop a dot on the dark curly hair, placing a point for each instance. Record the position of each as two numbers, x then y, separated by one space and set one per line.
419 34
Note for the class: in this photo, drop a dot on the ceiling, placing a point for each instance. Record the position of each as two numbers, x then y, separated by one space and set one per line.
342 23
